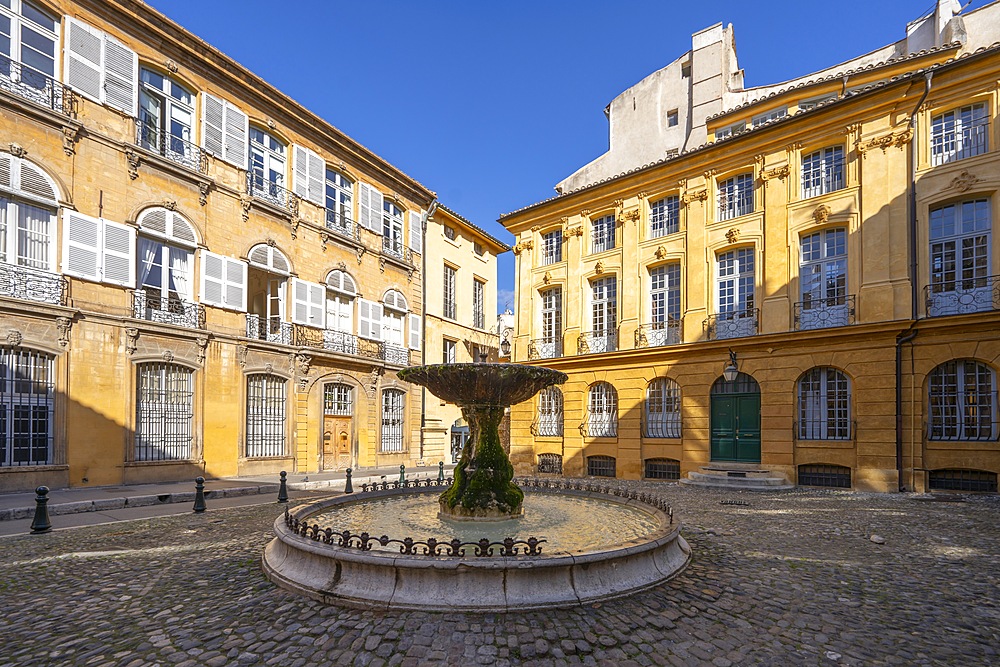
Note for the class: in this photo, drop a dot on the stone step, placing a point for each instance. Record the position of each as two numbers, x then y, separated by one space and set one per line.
748 472
760 483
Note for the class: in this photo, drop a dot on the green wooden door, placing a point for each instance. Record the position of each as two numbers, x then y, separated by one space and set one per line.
735 422
723 428
748 428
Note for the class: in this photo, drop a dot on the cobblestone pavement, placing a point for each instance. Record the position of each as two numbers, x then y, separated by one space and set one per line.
789 579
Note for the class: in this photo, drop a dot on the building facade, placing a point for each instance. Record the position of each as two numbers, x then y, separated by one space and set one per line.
826 242
197 274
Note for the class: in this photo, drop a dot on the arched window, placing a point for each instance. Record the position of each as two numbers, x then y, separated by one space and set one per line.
27 392
165 268
962 401
824 405
662 409
266 170
28 202
164 415
602 411
265 434
267 280
394 309
550 413
393 411
166 119
341 292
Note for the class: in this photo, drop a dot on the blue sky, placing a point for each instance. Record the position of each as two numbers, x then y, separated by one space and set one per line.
491 104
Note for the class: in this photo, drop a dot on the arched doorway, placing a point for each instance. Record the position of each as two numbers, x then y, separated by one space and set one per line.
735 416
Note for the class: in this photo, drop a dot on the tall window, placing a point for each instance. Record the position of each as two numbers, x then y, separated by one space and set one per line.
664 217
552 247
602 411
450 306
478 304
823 171
166 116
267 167
735 196
338 400
265 415
166 262
393 402
662 409
394 310
164 416
341 292
448 351
26 234
962 401
960 258
665 304
339 211
823 274
551 343
27 393
824 405
959 133
392 228
603 233
550 412
736 315
604 314
28 38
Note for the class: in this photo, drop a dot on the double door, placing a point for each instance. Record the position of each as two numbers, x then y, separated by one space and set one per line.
736 428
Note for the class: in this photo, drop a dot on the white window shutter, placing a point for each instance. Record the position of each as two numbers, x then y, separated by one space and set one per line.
364 206
84 58
300 171
414 331
416 233
369 319
119 254
302 310
121 76
317 179
213 111
317 305
236 284
237 127
213 279
82 248
376 217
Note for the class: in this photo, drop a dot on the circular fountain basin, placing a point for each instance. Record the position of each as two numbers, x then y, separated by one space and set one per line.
596 546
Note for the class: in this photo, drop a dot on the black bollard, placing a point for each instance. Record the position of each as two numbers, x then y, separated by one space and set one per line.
283 489
402 474
348 488
41 523
440 472
199 495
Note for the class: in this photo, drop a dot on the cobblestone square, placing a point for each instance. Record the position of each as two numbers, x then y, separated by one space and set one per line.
790 578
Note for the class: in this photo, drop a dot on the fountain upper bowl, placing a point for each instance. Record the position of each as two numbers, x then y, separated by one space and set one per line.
483 384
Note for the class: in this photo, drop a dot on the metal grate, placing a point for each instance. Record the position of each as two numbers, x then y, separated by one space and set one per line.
824 405
550 413
662 409
962 480
663 469
338 399
962 401
265 416
27 389
602 411
393 401
601 466
824 475
959 133
164 414
550 464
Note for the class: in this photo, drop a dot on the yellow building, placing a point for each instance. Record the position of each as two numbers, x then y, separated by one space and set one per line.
827 241
460 316
197 274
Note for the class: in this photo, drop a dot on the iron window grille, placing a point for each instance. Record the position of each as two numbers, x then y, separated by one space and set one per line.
662 409
338 400
962 480
736 196
552 247
478 301
962 401
602 411
164 418
824 405
657 334
601 466
662 469
27 393
838 477
450 306
823 171
603 233
664 217
550 464
960 258
393 401
271 329
265 416
549 422
959 133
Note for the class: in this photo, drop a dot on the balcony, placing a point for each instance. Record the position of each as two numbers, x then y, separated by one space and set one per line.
395 248
393 354
22 282
545 348
835 311
271 329
341 225
959 297
171 147
342 342
658 334
734 324
34 86
270 192
155 308
595 342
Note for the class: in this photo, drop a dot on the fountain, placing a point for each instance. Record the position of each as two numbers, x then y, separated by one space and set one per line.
594 542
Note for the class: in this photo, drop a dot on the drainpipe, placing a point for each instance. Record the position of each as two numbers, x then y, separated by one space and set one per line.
423 319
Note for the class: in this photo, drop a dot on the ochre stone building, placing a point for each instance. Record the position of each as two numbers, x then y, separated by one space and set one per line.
827 241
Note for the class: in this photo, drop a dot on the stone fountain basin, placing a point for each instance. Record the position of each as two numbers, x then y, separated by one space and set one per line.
383 580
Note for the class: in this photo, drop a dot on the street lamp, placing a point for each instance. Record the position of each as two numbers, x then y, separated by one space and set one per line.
732 370
505 344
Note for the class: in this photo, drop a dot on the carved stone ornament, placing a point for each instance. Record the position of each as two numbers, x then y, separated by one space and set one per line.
342 265
241 354
302 363
599 269
171 65
63 325
271 124
733 235
203 188
360 251
271 243
885 141
324 238
168 356
133 163
547 278
585 212
661 252
619 203
964 181
131 340
694 195
169 204
822 213
268 368
709 174
245 203
372 385
535 228
781 173
575 231
642 196
14 337
381 264
294 225
17 150
202 342
631 214
69 138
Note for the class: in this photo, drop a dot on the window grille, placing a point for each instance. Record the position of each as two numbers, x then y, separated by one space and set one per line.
960 258
736 282
164 418
265 416
822 475
478 300
338 399
962 480
552 247
662 409
450 307
736 196
601 466
550 412
824 405
549 346
743 384
392 420
550 464
959 133
663 469
823 171
962 401
27 391
664 217
603 231
602 411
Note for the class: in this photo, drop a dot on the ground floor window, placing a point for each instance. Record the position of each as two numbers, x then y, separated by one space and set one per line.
825 475
550 464
601 466
662 469
265 415
961 401
602 411
164 415
338 399
392 420
962 480
27 389
662 409
549 421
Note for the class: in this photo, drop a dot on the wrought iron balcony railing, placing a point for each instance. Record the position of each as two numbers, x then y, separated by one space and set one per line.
958 297
834 311
271 329
170 146
342 225
545 348
272 193
595 342
656 334
734 324
394 354
32 85
155 308
395 248
22 282
327 339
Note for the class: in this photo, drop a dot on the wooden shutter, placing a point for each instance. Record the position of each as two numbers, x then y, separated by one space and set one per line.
82 249
416 233
213 279
213 111
369 319
237 127
236 284
121 76
85 46
309 175
370 208
308 303
119 254
414 331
